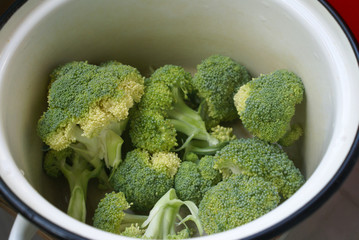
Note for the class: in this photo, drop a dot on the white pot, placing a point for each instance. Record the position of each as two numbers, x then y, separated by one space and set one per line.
304 36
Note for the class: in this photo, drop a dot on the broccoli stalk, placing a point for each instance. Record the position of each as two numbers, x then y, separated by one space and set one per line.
106 145
164 217
78 173
188 121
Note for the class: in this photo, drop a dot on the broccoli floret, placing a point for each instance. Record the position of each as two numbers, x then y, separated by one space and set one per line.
236 201
110 214
183 234
292 135
163 113
88 108
266 104
217 79
134 231
255 157
164 218
144 179
78 173
193 180
151 131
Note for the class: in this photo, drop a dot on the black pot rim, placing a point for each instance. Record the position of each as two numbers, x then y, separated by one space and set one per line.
271 232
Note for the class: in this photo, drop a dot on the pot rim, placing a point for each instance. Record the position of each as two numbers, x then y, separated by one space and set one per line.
268 233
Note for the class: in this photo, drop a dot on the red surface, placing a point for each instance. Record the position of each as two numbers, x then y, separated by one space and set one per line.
349 11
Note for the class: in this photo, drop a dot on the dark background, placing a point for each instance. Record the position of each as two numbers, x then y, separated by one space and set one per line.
348 9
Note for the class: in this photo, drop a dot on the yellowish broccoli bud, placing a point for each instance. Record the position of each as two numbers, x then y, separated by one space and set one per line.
223 134
166 162
240 98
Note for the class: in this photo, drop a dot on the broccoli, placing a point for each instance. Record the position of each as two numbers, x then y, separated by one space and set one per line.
193 180
88 109
201 148
77 171
217 79
163 113
164 218
236 201
266 104
110 215
134 231
255 157
145 178
292 135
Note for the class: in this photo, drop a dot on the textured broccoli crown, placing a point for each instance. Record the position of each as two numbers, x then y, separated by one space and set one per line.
208 172
295 132
223 134
183 234
166 162
266 104
158 97
236 201
151 131
133 231
140 181
193 180
110 216
110 212
173 77
163 112
255 157
89 96
217 80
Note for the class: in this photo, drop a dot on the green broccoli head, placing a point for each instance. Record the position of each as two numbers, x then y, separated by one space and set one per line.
144 179
87 96
255 157
266 104
151 131
193 180
133 231
174 77
217 79
163 113
223 134
236 201
292 135
110 214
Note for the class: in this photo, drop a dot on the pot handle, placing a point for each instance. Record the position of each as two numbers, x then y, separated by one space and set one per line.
22 229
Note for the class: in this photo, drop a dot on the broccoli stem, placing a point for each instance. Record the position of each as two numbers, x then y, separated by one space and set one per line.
188 121
78 176
130 219
77 204
202 148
